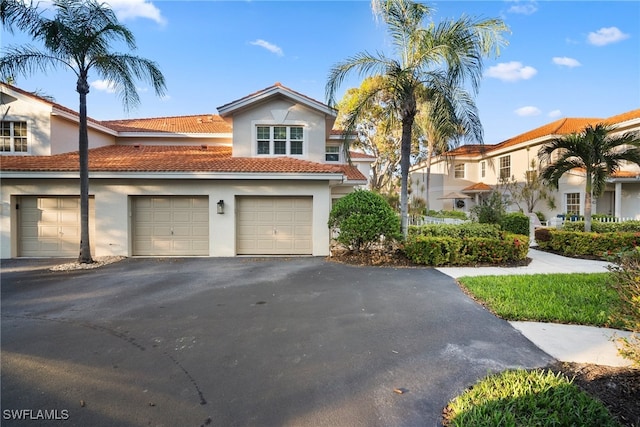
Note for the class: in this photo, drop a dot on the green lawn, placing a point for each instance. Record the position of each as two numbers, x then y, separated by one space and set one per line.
583 299
538 397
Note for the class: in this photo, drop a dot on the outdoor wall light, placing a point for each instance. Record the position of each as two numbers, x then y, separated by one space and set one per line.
220 206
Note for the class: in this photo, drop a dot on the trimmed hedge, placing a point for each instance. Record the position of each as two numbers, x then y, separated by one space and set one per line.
579 243
438 251
516 223
604 227
459 231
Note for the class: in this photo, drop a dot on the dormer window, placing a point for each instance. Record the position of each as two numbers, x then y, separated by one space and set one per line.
13 137
332 153
280 140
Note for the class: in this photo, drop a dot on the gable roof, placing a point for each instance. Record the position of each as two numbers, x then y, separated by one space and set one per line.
149 158
561 127
276 90
201 123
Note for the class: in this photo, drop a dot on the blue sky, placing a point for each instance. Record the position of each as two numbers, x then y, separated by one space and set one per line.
564 58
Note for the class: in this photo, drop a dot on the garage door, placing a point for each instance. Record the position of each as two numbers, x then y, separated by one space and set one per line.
274 225
170 226
50 226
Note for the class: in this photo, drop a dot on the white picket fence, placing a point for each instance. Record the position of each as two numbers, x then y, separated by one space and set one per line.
434 220
558 221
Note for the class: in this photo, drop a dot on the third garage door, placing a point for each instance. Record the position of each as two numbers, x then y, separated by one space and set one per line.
170 226
274 225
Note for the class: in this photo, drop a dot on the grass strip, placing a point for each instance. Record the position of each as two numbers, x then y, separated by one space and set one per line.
584 299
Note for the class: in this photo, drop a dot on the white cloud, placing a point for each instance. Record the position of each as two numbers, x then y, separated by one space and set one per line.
103 86
269 46
566 62
605 36
132 9
555 114
527 7
511 71
528 111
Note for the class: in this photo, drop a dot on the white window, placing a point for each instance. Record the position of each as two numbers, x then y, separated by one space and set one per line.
505 167
13 137
573 203
483 169
332 153
280 140
458 170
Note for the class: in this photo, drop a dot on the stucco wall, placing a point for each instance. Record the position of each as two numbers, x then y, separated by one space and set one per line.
245 122
113 211
36 114
64 136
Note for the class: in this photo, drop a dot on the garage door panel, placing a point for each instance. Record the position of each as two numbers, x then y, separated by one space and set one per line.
274 225
170 226
50 226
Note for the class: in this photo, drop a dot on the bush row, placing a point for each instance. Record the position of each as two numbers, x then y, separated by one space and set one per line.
572 243
459 231
439 251
604 227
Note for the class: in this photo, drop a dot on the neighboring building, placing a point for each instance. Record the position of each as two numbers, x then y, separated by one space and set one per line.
473 171
257 179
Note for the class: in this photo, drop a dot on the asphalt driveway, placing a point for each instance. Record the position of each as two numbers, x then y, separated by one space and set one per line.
243 342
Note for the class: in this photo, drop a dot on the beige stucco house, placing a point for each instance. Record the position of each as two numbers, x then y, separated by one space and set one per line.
256 179
473 171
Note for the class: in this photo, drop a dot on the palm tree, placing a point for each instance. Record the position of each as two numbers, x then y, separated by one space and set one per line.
78 38
442 123
595 152
434 57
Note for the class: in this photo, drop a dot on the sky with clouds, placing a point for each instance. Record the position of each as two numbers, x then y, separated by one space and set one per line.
564 58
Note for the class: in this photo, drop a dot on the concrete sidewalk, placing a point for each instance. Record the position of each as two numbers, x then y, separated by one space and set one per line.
567 343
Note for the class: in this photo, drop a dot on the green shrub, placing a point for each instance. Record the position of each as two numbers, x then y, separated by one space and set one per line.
491 209
363 218
625 279
515 222
438 251
447 214
604 227
468 229
574 243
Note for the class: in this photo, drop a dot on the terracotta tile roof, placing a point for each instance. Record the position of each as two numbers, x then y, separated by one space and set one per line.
144 158
358 155
625 174
559 127
47 101
629 115
202 123
477 188
470 149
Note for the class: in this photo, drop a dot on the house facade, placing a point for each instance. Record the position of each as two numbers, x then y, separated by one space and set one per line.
471 172
258 178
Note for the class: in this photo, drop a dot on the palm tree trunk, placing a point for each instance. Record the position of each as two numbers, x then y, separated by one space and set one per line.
83 142
587 203
405 157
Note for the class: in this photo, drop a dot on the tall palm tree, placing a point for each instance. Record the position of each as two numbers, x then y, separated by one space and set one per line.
443 122
432 57
78 38
594 151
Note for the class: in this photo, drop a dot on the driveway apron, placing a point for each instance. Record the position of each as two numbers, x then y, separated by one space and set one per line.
243 342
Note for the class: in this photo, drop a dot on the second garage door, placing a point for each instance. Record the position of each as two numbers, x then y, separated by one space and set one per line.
170 226
274 225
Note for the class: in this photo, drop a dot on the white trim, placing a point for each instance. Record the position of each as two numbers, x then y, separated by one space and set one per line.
76 119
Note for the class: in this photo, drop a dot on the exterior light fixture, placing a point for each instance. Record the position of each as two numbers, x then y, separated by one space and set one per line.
220 207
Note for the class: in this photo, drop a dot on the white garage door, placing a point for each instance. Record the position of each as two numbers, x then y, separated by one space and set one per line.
170 226
50 226
274 225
